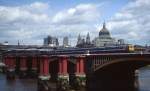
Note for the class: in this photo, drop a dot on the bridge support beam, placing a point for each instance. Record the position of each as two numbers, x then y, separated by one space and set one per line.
80 70
10 63
44 68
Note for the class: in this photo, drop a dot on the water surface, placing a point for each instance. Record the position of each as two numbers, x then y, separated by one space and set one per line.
31 84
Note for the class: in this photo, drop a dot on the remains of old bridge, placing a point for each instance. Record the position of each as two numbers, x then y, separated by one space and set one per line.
107 69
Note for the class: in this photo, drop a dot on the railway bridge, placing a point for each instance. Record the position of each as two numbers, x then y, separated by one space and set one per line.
95 69
115 71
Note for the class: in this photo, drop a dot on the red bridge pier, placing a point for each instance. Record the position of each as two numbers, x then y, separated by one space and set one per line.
23 66
34 63
63 66
44 75
34 67
44 68
80 70
10 63
63 75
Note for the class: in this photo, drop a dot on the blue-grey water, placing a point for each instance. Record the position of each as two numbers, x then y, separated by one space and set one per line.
31 84
18 84
144 79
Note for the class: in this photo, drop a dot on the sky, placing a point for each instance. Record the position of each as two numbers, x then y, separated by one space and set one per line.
29 21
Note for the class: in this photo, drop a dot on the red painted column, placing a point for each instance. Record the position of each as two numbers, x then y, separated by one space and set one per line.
64 64
41 67
81 65
13 62
44 68
34 63
10 62
6 61
60 66
45 65
23 65
77 67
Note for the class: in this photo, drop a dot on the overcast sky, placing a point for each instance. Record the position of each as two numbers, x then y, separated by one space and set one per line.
29 21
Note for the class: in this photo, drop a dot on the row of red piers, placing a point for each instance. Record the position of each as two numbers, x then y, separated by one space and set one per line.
43 64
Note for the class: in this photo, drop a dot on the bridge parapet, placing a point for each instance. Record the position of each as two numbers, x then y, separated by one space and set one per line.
94 61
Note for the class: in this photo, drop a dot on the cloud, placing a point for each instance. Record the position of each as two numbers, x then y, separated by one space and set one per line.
76 20
23 22
39 6
132 22
82 13
32 22
21 15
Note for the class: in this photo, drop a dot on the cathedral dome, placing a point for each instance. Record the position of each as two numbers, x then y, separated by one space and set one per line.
104 32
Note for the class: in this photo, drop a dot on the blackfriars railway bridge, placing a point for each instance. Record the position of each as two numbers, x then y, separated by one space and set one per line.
97 69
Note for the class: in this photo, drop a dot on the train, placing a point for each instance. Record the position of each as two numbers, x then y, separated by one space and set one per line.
73 50
95 50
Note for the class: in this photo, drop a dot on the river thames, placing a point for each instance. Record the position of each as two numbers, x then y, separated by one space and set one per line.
31 84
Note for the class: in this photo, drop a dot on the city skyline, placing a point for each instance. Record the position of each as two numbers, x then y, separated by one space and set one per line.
31 21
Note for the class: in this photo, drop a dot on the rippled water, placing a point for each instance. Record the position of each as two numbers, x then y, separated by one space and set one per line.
144 79
31 84
17 85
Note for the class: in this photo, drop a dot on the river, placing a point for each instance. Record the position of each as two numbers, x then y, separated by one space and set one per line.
31 84
144 79
18 84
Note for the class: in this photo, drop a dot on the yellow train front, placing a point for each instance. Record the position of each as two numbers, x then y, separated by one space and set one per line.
130 48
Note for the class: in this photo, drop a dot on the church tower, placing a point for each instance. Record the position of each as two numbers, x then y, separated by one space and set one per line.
88 39
79 41
65 41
